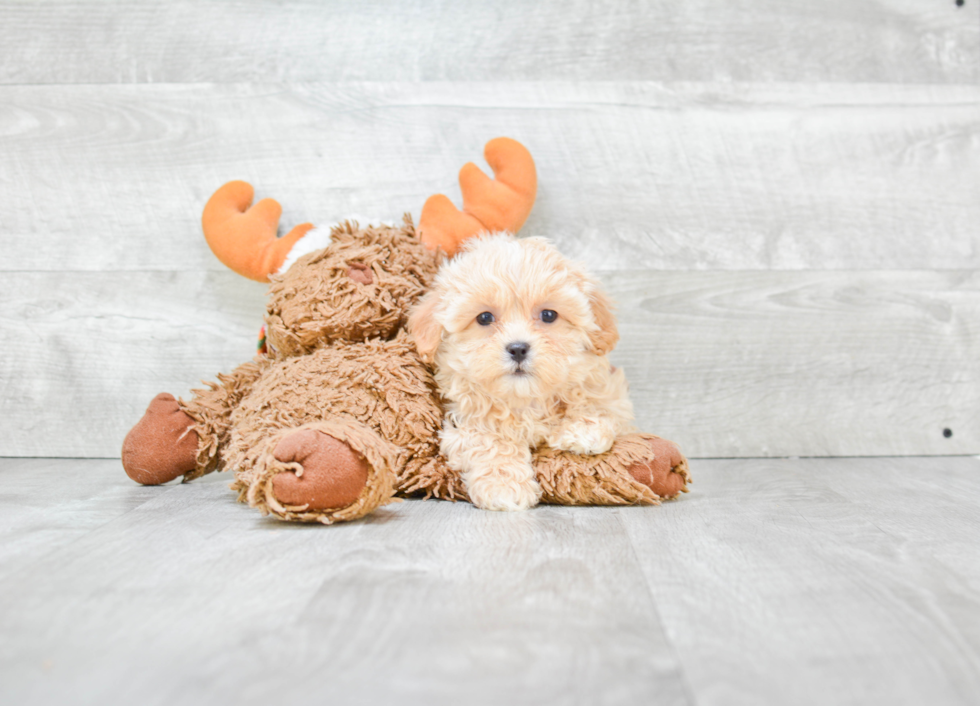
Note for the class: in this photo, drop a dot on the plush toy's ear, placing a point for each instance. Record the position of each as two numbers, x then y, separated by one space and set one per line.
489 205
423 327
244 236
605 338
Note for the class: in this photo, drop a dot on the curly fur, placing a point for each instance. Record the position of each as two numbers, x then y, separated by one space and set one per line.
562 392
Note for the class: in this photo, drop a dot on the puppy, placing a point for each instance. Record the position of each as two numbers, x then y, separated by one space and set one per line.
519 337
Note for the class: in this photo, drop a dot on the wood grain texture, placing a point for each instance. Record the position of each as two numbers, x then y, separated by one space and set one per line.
192 598
702 40
818 581
727 364
782 195
804 364
96 347
50 503
845 581
632 175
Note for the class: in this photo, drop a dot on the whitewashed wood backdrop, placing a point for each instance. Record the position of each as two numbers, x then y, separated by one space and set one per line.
784 196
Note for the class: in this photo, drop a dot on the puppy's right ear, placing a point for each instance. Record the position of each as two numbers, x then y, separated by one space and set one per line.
605 337
423 327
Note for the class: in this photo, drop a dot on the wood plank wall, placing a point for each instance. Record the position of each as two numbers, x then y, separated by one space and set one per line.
783 196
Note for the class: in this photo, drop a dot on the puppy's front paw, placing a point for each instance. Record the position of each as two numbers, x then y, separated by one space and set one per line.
506 494
582 437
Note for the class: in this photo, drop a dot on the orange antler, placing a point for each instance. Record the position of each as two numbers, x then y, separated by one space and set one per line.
244 238
502 203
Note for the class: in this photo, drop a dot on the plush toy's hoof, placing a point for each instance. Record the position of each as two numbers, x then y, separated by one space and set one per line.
163 444
662 473
334 475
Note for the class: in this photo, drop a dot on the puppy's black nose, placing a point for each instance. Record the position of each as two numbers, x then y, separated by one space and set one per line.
518 351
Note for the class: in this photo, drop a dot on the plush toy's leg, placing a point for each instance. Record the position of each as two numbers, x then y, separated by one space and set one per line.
332 476
162 445
664 471
429 476
322 472
211 410
640 469
176 438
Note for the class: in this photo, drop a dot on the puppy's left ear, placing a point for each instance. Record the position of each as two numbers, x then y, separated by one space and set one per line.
606 336
423 327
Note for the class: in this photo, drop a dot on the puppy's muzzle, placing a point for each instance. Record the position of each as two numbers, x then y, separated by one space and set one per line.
518 351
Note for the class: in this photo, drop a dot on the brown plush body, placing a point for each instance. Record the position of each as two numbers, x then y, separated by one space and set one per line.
341 414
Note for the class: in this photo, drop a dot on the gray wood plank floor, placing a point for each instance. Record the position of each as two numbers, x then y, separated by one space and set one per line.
812 581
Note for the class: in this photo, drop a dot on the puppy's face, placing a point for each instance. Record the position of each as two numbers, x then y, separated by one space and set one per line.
512 318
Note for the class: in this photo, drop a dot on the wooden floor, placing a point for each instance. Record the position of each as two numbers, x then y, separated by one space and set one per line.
776 581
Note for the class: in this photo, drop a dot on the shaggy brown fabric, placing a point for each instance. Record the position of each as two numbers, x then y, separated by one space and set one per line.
211 411
162 445
317 302
568 479
378 393
432 478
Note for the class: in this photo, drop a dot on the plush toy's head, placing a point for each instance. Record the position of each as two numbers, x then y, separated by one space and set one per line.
360 286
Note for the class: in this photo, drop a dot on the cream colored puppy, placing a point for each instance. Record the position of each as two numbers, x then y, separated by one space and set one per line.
519 337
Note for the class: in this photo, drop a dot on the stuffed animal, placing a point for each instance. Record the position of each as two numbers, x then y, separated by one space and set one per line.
338 413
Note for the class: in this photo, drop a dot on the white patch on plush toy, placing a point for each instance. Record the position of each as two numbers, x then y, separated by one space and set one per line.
319 238
315 239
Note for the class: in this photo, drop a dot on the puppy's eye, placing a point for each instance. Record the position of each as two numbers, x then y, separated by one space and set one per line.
548 316
484 319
